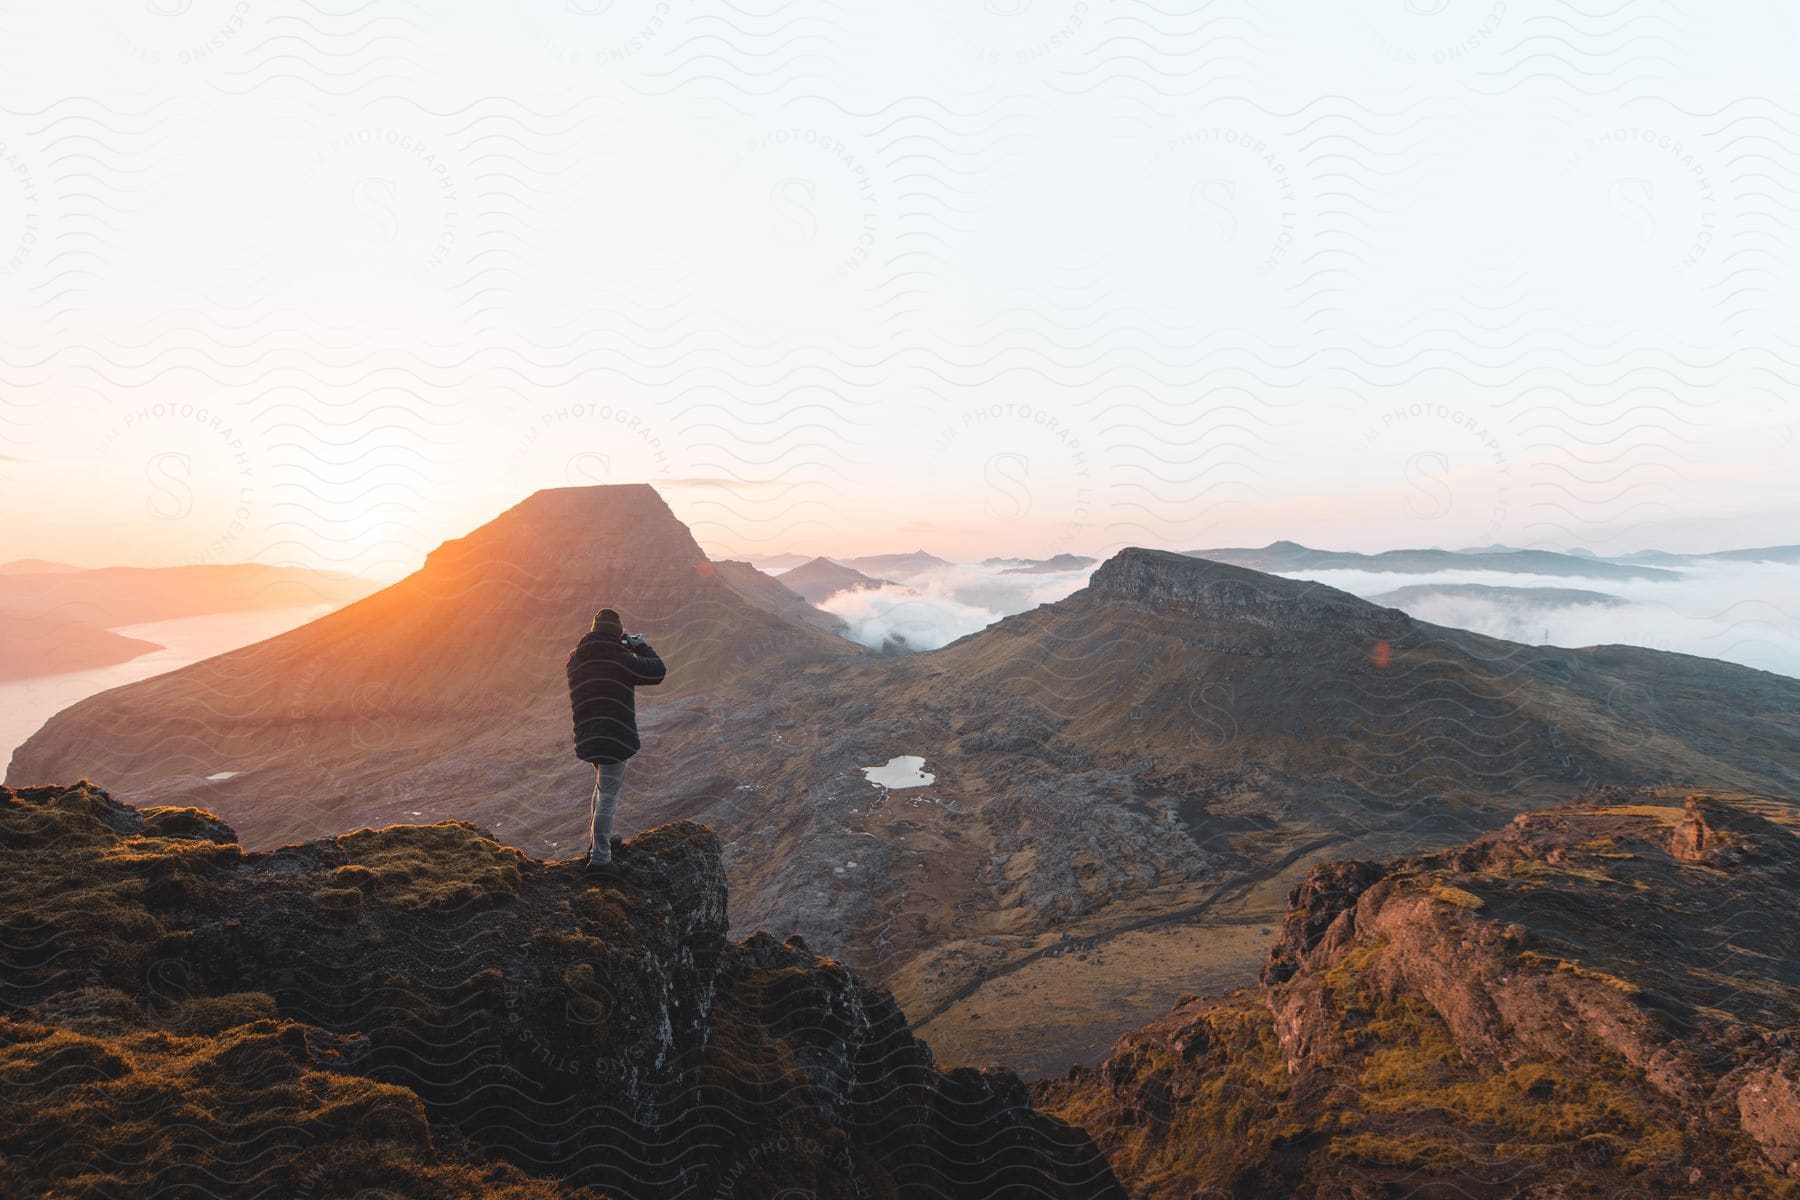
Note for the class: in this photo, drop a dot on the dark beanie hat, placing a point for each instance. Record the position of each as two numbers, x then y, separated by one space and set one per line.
607 621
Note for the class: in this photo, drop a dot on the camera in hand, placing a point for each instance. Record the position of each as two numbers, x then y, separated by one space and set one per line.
634 639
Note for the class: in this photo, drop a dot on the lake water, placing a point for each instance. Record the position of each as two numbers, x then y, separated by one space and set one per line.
25 704
901 772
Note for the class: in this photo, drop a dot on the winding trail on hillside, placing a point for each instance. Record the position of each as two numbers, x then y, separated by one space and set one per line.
1232 889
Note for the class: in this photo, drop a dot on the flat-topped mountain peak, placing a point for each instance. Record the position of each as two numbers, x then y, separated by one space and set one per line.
576 528
1165 582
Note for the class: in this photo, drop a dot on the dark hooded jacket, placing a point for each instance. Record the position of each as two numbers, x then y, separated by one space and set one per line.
603 671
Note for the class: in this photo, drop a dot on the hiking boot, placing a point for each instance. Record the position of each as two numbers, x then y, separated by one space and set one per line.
614 871
617 845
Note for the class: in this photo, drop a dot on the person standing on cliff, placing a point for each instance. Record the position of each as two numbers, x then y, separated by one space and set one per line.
604 669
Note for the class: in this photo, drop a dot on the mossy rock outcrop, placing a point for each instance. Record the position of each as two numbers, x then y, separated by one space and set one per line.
424 1011
1597 1000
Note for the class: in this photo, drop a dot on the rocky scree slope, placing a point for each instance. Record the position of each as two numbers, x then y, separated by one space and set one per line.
425 1010
1598 1000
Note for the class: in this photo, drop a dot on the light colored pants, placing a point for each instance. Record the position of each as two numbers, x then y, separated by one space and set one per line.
608 779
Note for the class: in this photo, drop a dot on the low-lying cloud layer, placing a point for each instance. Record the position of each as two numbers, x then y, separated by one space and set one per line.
1739 612
934 608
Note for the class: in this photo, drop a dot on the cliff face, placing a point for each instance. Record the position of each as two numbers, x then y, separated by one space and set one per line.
1252 613
424 1009
1599 999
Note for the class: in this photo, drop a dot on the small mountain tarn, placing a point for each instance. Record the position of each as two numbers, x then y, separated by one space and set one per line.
901 771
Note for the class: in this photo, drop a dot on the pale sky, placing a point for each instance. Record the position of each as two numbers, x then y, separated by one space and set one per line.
328 285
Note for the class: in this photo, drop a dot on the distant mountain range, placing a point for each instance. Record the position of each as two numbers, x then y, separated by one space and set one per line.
820 579
35 645
901 566
1547 597
907 565
881 564
1292 556
1764 554
1286 557
776 563
1040 566
113 596
56 618
1160 753
36 566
